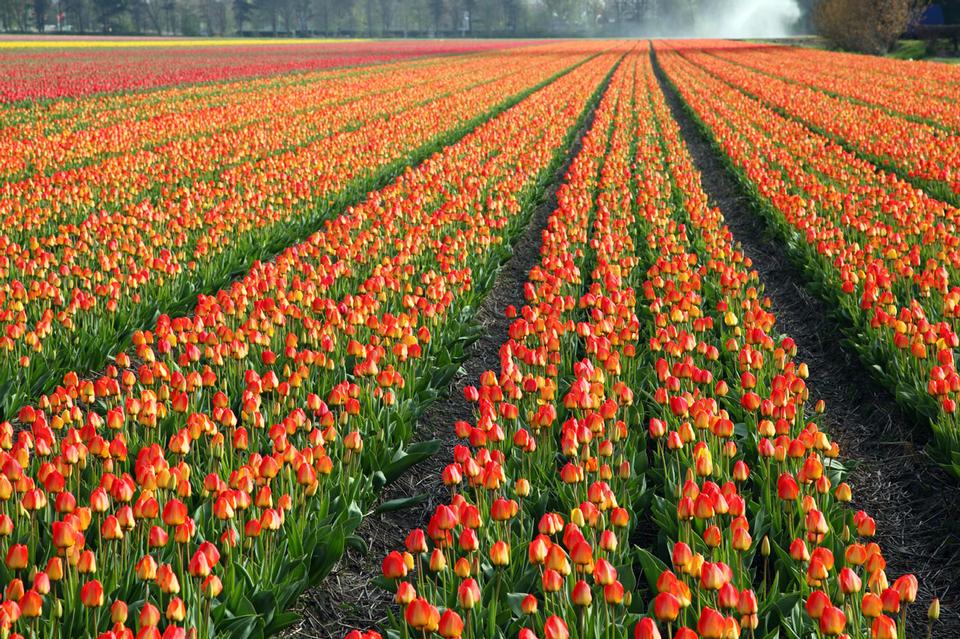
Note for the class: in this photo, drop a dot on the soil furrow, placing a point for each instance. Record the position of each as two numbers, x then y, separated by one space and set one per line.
915 503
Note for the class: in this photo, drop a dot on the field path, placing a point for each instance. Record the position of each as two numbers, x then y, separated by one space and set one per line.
915 503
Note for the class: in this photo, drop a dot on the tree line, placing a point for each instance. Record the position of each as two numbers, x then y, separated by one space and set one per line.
371 18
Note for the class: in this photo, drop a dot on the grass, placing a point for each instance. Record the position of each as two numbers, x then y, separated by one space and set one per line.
904 50
917 50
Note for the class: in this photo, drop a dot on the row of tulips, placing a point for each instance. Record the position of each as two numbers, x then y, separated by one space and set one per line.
738 407
882 251
559 468
151 237
923 152
871 80
38 75
534 540
173 118
319 109
199 484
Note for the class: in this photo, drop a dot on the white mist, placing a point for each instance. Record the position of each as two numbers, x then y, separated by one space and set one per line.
748 19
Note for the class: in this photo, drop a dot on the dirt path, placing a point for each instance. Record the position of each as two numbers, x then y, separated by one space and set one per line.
347 599
915 503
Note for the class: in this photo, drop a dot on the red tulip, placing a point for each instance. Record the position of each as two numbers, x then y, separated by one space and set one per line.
646 629
451 625
906 586
582 596
883 628
468 593
832 621
174 513
118 612
31 604
91 594
555 628
711 624
666 607
393 566
17 557
149 615
420 615
176 610
211 587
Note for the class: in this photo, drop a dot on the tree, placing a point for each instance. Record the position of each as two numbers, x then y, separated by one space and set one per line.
436 12
386 16
242 13
511 13
867 26
107 11
40 13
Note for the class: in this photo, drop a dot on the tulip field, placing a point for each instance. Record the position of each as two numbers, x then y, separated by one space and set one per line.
234 278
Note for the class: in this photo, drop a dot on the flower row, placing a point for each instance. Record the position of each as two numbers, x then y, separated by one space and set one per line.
606 423
884 252
912 148
896 87
91 131
535 538
739 413
37 75
205 480
148 238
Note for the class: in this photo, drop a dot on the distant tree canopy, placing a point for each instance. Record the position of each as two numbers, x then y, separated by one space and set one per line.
868 26
395 18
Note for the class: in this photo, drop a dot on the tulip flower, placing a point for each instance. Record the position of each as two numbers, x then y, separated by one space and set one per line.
420 615
17 557
91 594
555 628
832 621
451 625
666 607
710 625
468 593
646 629
883 627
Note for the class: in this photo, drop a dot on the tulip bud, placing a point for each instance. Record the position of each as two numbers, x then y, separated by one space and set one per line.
529 605
933 612
582 596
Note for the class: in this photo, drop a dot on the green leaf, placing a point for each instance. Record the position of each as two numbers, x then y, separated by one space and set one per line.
651 566
386 584
403 460
401 503
515 599
358 543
